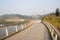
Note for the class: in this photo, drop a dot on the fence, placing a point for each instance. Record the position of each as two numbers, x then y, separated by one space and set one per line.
10 30
55 34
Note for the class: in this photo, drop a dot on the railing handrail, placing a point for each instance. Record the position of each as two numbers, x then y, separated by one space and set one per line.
11 25
55 29
24 26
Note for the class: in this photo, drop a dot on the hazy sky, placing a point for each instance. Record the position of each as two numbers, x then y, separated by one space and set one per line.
28 7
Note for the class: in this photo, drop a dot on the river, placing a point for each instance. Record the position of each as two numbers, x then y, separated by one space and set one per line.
11 29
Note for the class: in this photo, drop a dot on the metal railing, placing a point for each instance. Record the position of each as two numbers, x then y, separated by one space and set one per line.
7 32
55 34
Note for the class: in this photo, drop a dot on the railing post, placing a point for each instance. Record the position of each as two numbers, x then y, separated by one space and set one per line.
22 26
52 32
16 28
25 25
6 31
56 36
50 29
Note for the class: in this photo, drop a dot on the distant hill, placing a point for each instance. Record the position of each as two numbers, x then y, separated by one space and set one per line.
6 16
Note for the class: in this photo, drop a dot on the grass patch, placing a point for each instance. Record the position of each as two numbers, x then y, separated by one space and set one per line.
54 20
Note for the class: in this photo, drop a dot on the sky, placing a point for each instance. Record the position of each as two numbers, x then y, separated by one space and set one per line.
28 7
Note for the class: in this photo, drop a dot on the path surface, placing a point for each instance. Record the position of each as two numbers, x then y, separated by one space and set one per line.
35 32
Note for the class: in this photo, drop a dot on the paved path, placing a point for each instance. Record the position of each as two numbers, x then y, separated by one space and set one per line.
35 32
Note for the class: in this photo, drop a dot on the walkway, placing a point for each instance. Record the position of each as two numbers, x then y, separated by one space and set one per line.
35 32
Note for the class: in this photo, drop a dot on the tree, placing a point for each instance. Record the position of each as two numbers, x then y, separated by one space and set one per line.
57 12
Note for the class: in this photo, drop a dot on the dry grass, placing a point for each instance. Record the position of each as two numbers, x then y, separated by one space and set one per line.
53 20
